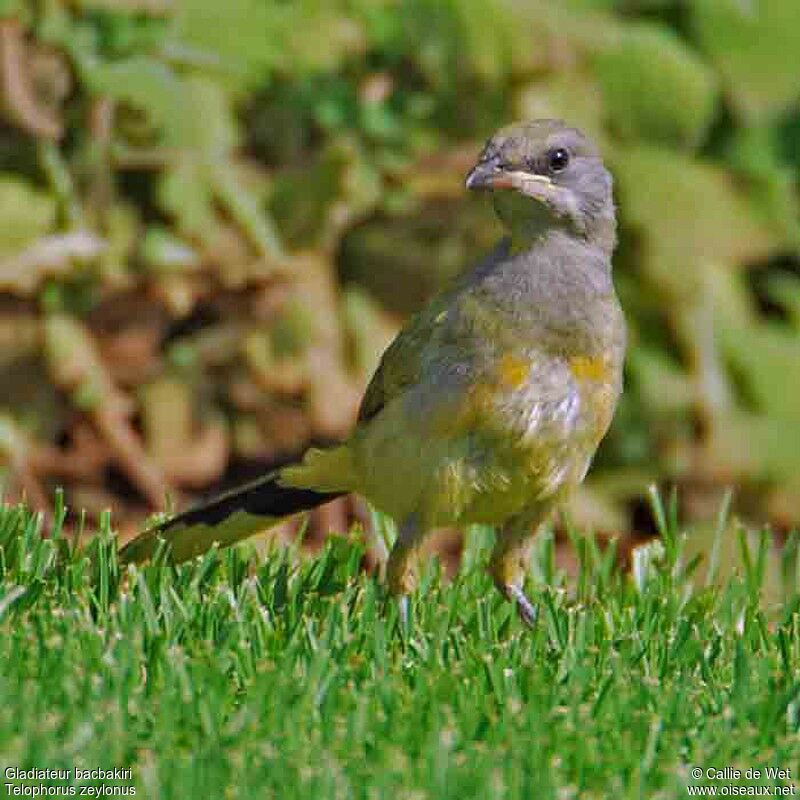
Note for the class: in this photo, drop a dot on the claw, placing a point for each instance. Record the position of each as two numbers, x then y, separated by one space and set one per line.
528 612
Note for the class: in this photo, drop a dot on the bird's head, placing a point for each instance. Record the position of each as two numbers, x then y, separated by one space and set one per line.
544 175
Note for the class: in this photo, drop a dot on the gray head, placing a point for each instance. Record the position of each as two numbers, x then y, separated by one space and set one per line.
545 175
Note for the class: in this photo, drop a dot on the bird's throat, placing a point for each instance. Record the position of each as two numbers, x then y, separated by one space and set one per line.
529 223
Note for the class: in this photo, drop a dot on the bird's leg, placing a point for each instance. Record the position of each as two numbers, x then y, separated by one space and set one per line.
509 561
402 610
401 569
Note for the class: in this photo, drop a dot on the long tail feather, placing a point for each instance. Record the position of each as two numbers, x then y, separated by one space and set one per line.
226 519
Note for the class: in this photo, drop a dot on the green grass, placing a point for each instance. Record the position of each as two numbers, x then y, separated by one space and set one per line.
241 677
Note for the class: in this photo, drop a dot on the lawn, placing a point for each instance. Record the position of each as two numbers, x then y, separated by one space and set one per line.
238 676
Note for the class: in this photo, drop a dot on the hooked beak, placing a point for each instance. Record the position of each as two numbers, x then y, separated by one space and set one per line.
487 175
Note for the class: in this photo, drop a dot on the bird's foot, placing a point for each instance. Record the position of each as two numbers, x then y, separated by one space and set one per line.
528 611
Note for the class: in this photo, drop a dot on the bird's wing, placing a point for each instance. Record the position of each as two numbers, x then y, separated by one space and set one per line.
403 361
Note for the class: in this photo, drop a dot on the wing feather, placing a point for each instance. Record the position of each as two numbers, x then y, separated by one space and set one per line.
403 361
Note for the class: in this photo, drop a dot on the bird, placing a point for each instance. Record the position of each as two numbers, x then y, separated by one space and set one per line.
489 405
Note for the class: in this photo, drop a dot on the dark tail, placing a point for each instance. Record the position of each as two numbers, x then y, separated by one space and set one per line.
226 519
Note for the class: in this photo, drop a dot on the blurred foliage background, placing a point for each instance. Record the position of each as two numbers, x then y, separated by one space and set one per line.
214 216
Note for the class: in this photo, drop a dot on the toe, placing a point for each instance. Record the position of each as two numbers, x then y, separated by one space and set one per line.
528 611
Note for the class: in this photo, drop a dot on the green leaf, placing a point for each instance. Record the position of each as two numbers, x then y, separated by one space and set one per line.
163 252
754 47
753 152
186 194
765 354
25 214
568 95
654 87
251 38
147 85
688 213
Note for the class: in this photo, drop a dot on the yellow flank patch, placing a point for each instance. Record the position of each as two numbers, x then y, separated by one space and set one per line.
513 371
588 369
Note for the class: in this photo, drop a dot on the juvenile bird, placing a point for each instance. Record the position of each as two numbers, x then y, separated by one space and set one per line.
490 404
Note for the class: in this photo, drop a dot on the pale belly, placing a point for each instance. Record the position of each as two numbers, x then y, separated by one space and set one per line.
479 469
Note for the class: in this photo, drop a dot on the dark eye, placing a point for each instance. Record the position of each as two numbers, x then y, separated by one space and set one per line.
558 159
